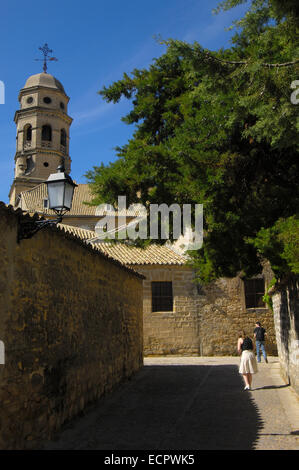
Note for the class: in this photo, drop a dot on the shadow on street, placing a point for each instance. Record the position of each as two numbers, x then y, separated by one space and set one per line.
196 407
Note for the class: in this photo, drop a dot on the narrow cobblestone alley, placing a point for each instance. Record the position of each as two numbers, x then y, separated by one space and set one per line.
196 403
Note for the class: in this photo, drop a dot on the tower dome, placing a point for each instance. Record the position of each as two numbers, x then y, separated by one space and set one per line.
43 80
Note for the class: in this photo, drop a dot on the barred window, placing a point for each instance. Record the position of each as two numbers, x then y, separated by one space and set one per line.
162 298
254 291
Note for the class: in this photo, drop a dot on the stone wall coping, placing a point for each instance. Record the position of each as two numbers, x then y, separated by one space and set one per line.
20 214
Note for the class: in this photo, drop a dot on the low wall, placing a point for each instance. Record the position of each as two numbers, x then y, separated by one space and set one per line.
286 317
71 323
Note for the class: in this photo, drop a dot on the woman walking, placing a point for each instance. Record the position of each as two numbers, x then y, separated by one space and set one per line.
248 364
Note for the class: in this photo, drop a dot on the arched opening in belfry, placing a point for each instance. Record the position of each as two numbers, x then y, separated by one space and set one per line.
28 133
63 137
47 133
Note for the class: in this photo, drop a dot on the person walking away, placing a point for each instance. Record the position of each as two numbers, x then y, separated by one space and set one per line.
248 364
259 334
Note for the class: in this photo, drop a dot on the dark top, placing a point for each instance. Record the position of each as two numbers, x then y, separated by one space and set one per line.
260 333
247 344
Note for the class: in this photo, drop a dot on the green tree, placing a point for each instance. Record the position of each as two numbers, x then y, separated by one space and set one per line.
280 245
218 129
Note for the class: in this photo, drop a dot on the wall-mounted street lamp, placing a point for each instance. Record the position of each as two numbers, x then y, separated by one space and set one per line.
60 196
60 191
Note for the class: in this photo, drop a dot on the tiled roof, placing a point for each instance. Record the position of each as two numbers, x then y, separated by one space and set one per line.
129 255
84 234
153 254
125 254
33 201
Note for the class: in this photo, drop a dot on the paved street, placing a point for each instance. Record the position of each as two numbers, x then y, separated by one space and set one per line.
193 403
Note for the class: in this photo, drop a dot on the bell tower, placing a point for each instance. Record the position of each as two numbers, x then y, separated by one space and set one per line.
43 127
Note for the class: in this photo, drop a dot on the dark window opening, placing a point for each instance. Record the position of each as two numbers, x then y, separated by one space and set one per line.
47 100
162 297
47 133
46 164
254 292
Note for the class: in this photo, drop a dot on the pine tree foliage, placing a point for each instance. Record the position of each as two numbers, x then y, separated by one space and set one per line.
217 128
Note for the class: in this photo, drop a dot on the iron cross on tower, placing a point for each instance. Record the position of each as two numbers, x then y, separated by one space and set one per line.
45 50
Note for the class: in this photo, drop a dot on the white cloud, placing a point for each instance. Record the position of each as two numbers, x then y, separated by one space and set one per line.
84 110
87 115
206 33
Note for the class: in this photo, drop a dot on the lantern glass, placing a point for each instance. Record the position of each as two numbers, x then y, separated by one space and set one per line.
56 195
68 195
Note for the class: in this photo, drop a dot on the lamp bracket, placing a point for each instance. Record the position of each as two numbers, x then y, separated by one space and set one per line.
28 228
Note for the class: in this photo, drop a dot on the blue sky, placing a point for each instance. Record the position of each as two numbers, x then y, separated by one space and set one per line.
95 43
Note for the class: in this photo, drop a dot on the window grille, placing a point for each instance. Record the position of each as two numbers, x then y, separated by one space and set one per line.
162 297
254 291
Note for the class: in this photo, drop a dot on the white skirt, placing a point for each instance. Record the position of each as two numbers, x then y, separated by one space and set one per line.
248 364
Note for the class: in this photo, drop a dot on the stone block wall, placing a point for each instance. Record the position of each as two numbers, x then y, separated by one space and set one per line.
71 322
286 317
223 315
174 332
205 322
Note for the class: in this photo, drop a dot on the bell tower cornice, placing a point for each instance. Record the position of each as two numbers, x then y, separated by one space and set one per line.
42 111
